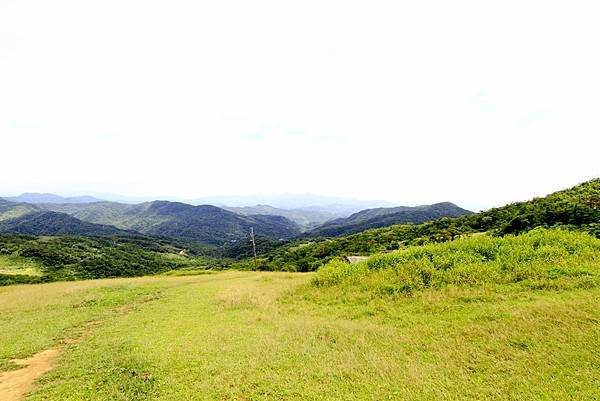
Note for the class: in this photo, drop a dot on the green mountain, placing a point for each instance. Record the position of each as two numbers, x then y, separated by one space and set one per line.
577 208
206 224
12 210
384 217
306 219
52 223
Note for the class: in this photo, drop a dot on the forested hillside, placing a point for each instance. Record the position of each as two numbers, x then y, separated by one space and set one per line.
52 223
203 224
577 207
207 224
29 259
12 210
384 217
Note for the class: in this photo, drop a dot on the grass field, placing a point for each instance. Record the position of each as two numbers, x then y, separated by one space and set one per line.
16 265
277 336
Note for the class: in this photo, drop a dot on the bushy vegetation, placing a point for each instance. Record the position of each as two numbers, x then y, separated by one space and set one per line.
575 208
539 259
70 258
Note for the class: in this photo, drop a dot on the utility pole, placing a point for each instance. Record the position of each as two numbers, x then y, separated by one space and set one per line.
253 246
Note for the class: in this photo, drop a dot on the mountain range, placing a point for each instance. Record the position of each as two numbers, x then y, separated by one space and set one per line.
204 224
35 197
336 206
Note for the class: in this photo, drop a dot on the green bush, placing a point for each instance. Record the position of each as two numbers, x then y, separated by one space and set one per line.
541 258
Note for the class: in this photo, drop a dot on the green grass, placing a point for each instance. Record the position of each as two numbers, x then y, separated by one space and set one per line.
189 272
337 334
17 265
34 317
539 259
264 336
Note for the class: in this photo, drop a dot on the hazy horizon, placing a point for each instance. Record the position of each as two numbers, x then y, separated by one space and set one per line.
475 103
279 200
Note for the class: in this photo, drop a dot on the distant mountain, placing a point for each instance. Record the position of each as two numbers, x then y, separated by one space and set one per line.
204 223
109 213
384 217
52 223
207 224
34 197
311 202
11 210
306 219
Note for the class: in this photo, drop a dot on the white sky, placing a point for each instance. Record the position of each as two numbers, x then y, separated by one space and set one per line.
476 102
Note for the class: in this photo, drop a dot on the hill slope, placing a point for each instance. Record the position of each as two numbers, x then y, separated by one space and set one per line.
577 207
206 224
11 210
26 259
306 219
52 223
384 217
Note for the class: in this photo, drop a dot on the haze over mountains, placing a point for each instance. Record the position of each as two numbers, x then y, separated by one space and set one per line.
48 214
336 206
35 197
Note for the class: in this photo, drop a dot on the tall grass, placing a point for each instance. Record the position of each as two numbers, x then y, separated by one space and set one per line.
540 259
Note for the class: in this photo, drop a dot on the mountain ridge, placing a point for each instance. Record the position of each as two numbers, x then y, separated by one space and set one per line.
43 222
36 197
383 217
204 223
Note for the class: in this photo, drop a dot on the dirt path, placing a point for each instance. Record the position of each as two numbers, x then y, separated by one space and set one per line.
17 383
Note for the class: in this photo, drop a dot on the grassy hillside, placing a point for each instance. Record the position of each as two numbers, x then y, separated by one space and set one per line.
384 217
577 208
540 259
276 336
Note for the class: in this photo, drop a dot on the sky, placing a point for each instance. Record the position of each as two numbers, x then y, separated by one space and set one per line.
476 102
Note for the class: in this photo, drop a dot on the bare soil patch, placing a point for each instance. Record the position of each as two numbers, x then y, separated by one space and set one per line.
17 383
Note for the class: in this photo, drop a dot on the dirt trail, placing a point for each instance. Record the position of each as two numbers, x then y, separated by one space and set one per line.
17 383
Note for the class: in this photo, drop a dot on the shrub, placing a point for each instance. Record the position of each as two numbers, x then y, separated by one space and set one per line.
541 258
